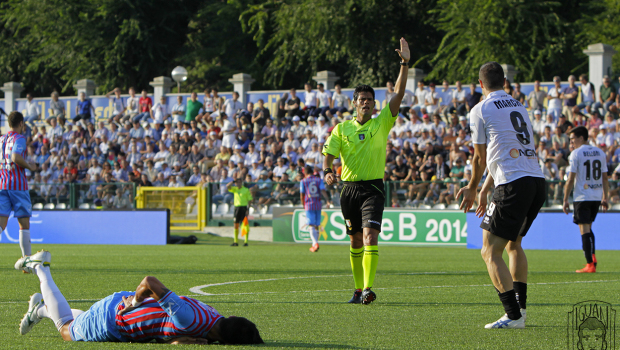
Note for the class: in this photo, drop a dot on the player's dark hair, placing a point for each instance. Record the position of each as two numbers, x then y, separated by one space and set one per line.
15 118
363 88
308 170
239 330
492 75
580 131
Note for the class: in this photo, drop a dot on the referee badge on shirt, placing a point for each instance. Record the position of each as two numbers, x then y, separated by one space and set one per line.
362 137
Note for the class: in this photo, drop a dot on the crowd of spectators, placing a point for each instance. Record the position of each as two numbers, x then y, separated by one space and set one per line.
210 141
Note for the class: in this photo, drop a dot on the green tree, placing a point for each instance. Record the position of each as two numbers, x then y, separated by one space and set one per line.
356 39
532 35
601 24
114 42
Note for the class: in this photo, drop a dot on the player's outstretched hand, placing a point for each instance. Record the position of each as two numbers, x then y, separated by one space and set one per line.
482 204
469 196
604 205
566 207
331 179
404 50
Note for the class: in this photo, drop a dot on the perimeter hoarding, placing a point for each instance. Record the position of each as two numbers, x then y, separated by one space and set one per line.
141 227
399 227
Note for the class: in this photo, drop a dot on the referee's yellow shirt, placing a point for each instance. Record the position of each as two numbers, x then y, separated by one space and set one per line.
242 196
361 147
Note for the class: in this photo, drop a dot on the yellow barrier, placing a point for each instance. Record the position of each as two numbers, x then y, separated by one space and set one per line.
187 205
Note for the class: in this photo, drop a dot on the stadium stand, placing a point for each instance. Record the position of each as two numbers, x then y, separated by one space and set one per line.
100 164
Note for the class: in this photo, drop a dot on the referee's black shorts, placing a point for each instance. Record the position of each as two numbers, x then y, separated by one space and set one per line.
585 212
514 207
362 205
240 214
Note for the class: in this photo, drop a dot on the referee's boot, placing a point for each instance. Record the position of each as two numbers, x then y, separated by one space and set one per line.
357 298
590 268
368 296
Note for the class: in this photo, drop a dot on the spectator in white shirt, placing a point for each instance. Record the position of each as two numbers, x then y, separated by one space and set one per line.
57 107
279 169
33 112
310 100
445 97
238 156
118 105
291 140
233 106
321 130
160 111
324 98
55 133
420 97
554 99
604 138
587 93
307 142
432 100
133 105
340 103
538 125
178 110
458 99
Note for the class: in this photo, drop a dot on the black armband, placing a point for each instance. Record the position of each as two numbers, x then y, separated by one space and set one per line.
404 63
327 171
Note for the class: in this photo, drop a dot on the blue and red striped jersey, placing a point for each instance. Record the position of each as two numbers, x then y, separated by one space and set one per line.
12 176
311 187
170 317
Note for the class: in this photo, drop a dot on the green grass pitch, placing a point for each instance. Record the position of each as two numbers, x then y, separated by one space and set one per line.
428 298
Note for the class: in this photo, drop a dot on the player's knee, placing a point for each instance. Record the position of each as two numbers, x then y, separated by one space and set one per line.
65 333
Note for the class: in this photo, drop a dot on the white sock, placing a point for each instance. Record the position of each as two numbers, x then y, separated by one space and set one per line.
24 242
314 235
42 312
56 304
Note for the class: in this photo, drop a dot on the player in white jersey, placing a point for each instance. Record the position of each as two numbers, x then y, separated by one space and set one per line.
587 172
504 141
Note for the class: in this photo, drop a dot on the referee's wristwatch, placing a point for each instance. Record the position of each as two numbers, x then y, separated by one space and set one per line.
327 171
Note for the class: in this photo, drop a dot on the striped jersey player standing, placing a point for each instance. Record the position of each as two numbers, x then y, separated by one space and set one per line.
311 189
152 312
14 195
587 172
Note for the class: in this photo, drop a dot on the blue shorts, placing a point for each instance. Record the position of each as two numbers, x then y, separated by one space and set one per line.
17 201
313 217
99 322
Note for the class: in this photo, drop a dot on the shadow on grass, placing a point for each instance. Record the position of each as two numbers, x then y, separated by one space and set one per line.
311 345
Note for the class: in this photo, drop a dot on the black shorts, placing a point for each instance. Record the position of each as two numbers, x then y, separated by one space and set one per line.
362 205
514 207
585 212
239 214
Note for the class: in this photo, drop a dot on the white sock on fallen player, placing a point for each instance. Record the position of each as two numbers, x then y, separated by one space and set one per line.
57 307
42 313
314 235
24 242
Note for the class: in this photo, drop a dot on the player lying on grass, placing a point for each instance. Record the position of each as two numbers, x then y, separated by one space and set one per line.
152 312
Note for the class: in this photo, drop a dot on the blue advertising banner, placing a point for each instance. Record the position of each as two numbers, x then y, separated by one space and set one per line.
556 231
140 227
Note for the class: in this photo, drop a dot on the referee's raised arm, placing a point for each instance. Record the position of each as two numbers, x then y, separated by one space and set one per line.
401 82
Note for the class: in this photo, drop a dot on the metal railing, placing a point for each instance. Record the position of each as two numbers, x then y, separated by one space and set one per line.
112 195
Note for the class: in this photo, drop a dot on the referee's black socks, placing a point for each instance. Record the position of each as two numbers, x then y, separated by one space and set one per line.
521 291
511 306
587 243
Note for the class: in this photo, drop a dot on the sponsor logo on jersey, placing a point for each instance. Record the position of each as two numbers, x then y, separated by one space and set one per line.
362 137
348 223
529 153
592 187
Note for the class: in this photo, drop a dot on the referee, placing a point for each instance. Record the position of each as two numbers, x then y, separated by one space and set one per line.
361 144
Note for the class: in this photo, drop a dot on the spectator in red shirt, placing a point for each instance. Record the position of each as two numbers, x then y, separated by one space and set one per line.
71 169
146 105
